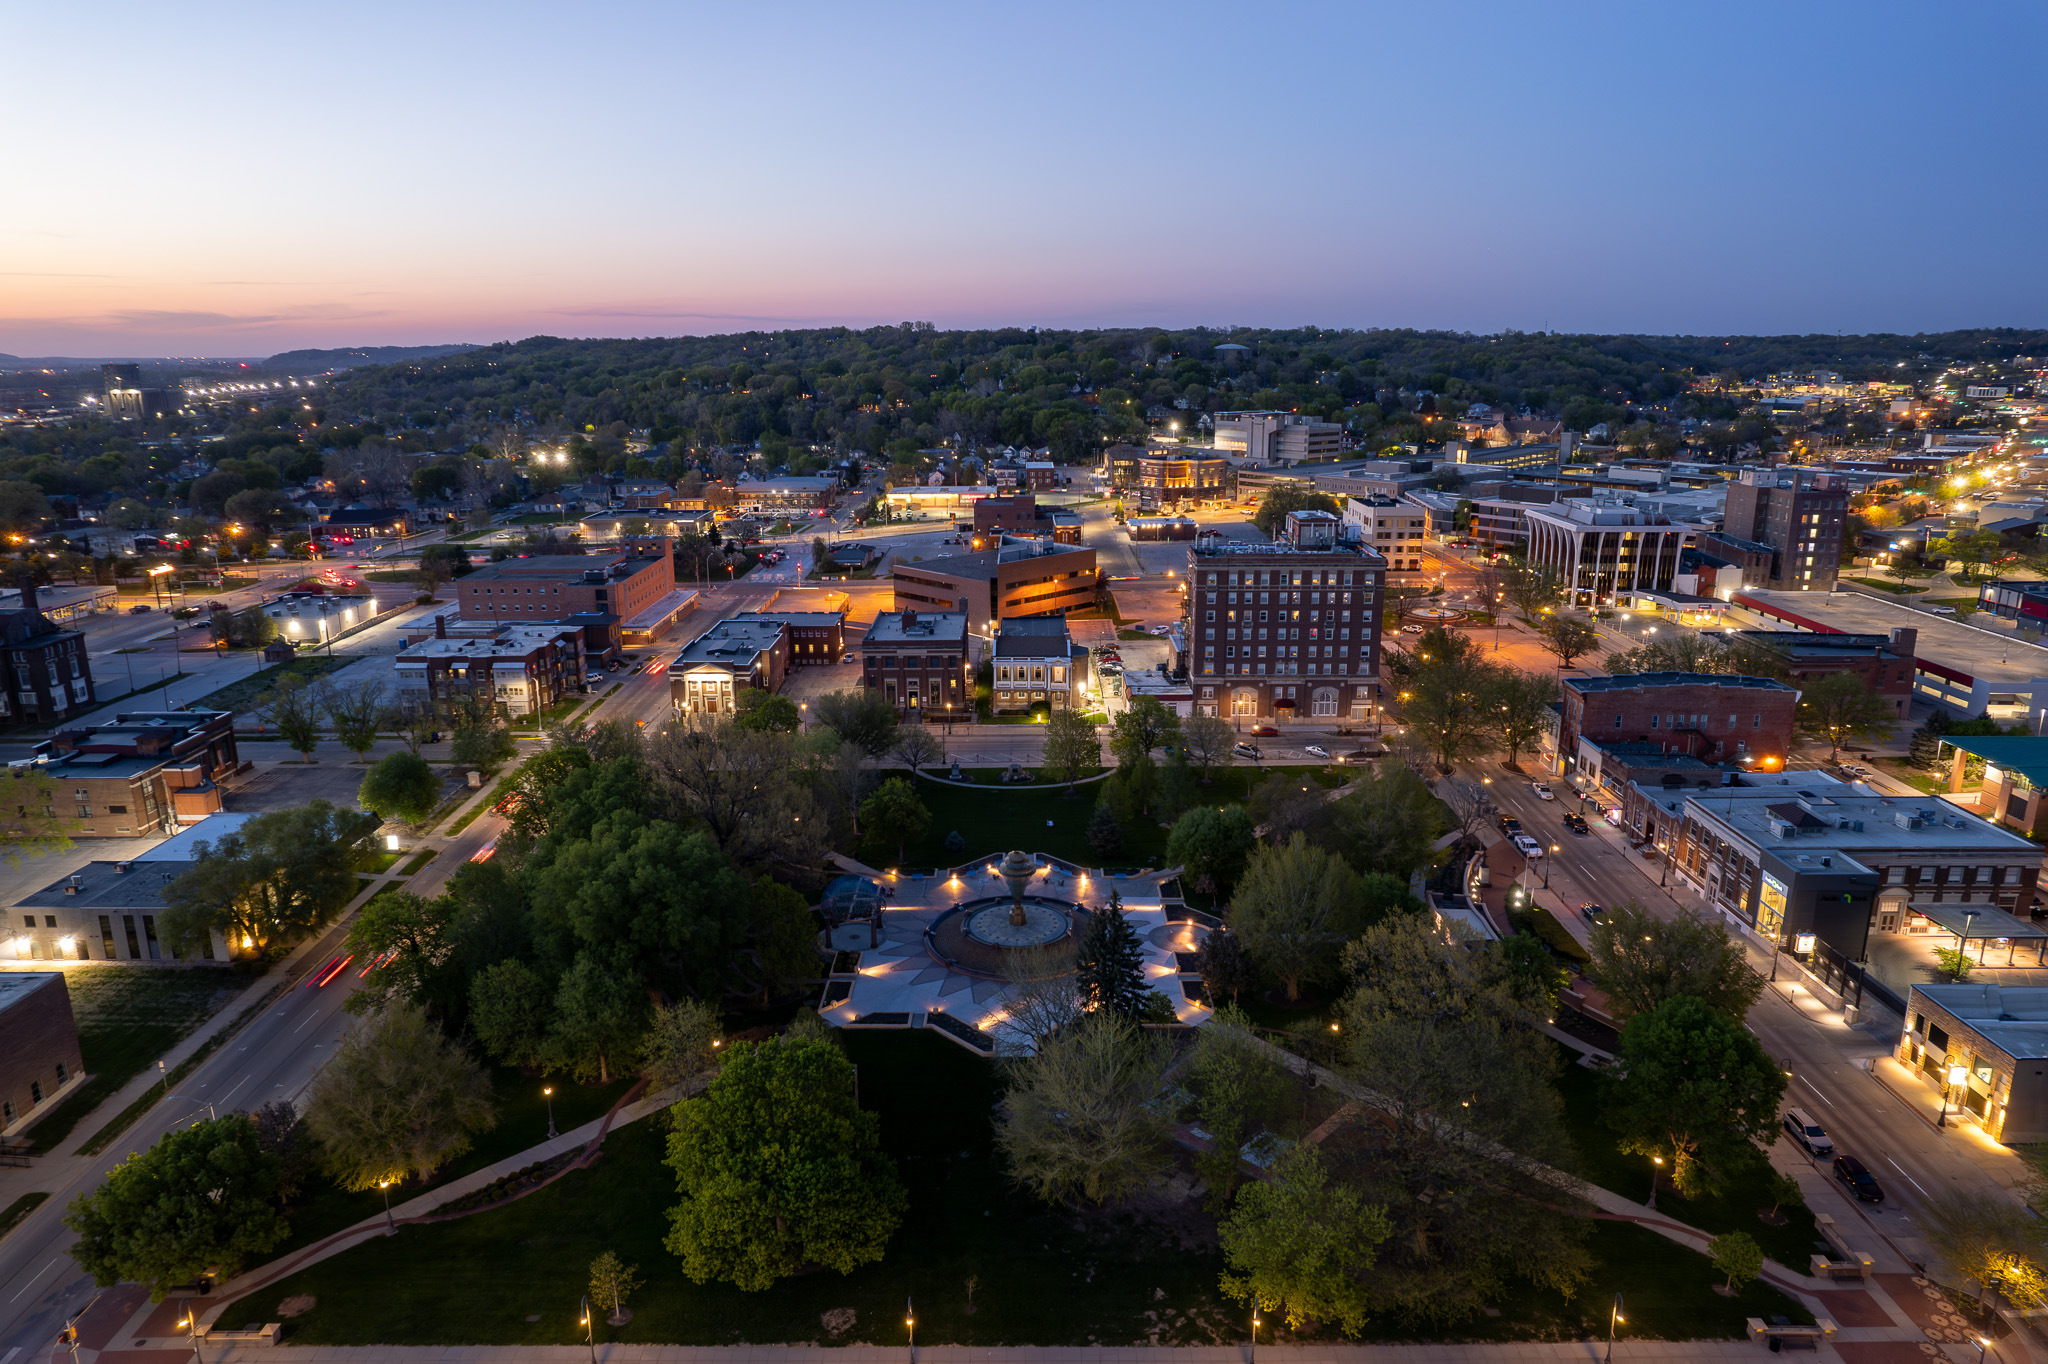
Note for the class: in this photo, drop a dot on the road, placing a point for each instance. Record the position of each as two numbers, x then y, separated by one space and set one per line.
1911 1160
273 1058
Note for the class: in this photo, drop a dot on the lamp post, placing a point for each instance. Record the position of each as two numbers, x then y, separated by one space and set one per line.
910 1326
390 1227
1956 1075
589 1329
548 1092
1554 851
1253 1353
1656 1168
191 1325
1614 1319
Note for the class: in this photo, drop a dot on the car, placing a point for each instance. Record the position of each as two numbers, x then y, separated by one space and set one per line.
1590 912
1315 750
1265 732
1808 1133
593 679
1577 824
1528 846
1857 1180
1246 751
1411 629
138 610
1542 791
1509 824
1942 610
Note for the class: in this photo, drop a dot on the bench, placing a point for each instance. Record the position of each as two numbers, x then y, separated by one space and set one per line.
1846 1256
265 1335
1821 1267
1790 1335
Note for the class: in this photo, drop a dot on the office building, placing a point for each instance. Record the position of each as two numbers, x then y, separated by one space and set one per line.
1037 664
108 910
922 663
1278 437
787 494
1599 547
1395 529
1020 514
139 774
1167 475
1742 721
1031 578
816 638
1800 514
626 597
729 658
1984 1048
41 1061
1884 662
1286 630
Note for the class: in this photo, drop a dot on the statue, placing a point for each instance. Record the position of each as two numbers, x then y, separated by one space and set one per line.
1017 869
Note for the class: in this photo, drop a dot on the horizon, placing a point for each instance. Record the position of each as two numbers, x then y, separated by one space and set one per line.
644 173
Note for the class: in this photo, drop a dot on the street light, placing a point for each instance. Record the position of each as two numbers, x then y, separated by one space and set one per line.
191 1325
390 1227
589 1329
1956 1076
1656 1168
1614 1319
1554 851
910 1325
1253 1353
548 1092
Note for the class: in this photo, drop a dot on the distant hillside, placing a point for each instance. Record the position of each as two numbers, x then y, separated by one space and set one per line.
349 358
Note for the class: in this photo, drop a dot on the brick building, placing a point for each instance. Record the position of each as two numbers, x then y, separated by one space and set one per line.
1037 664
1717 719
727 659
1167 476
518 669
1285 630
1884 662
142 773
1035 579
41 1058
634 585
922 662
1019 513
45 675
1799 513
815 637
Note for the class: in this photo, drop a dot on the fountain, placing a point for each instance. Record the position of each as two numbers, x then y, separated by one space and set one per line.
979 935
1017 868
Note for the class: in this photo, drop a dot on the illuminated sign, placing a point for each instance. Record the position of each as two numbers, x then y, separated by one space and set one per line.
1770 914
1803 943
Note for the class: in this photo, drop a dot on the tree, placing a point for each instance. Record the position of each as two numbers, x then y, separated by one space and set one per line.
1212 846
1840 707
748 791
1141 727
1531 590
396 1100
293 708
35 827
1728 656
1737 1255
1300 1245
486 747
23 508
1238 1087
612 1281
1042 997
200 1201
1294 906
861 716
1109 967
1953 962
779 1167
783 939
401 786
1568 637
682 1043
1071 747
1080 1120
453 558
281 1134
916 747
1697 1089
599 1017
511 1012
1271 517
894 814
1224 967
1388 823
1968 551
1210 743
1443 697
1640 961
1992 1239
1520 706
1905 569
1105 830
415 932
280 876
757 709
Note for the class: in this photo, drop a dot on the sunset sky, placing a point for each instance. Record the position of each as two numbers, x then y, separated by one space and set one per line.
210 179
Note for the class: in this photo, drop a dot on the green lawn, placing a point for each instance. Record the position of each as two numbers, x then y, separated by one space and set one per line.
1965 606
243 695
1879 584
419 861
128 1016
1044 1275
1735 1209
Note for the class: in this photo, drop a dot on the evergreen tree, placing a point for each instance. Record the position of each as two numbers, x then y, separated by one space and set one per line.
1109 968
1105 833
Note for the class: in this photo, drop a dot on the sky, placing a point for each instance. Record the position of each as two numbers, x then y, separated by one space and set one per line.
237 180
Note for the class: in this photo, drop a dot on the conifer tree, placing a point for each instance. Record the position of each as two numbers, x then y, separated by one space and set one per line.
1109 968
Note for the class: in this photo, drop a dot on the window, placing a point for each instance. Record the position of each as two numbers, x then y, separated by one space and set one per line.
1617 722
35 1091
63 1075
1758 722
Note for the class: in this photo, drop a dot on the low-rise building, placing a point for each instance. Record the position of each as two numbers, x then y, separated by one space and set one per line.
41 1060
1599 547
1037 664
1020 514
1394 528
815 637
513 670
142 773
107 910
1735 720
922 663
1034 578
1167 476
45 674
729 658
1282 436
1884 662
1984 1048
787 494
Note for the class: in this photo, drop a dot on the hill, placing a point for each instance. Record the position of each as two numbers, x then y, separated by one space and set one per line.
353 356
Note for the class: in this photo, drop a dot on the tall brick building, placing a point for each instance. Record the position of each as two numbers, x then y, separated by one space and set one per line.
1799 513
1288 630
1714 718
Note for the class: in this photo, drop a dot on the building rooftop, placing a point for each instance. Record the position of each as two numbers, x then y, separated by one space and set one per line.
1631 681
2013 1018
731 642
794 617
1804 644
2019 753
15 986
513 641
1858 822
924 627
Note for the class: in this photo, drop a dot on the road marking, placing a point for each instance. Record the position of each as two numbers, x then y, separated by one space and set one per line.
302 1027
39 1274
1909 1179
1810 1085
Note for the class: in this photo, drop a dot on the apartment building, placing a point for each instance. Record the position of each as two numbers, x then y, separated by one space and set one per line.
1745 721
513 669
725 660
922 663
628 594
1395 529
1286 630
1800 514
45 674
1278 437
1599 547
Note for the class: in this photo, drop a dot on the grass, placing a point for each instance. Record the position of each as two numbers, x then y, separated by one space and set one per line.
522 1123
1899 769
1965 606
1879 584
127 1017
1045 1275
17 1212
378 861
419 862
1735 1208
122 1121
243 695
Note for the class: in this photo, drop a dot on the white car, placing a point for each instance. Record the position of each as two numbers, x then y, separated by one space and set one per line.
1942 610
1315 750
1411 629
1528 846
1542 791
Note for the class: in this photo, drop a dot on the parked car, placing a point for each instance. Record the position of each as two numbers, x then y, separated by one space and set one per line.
1857 1180
1315 750
594 679
1411 629
1510 825
1530 848
1590 912
1265 732
1942 610
1246 751
138 610
1542 791
1808 1133
1576 822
